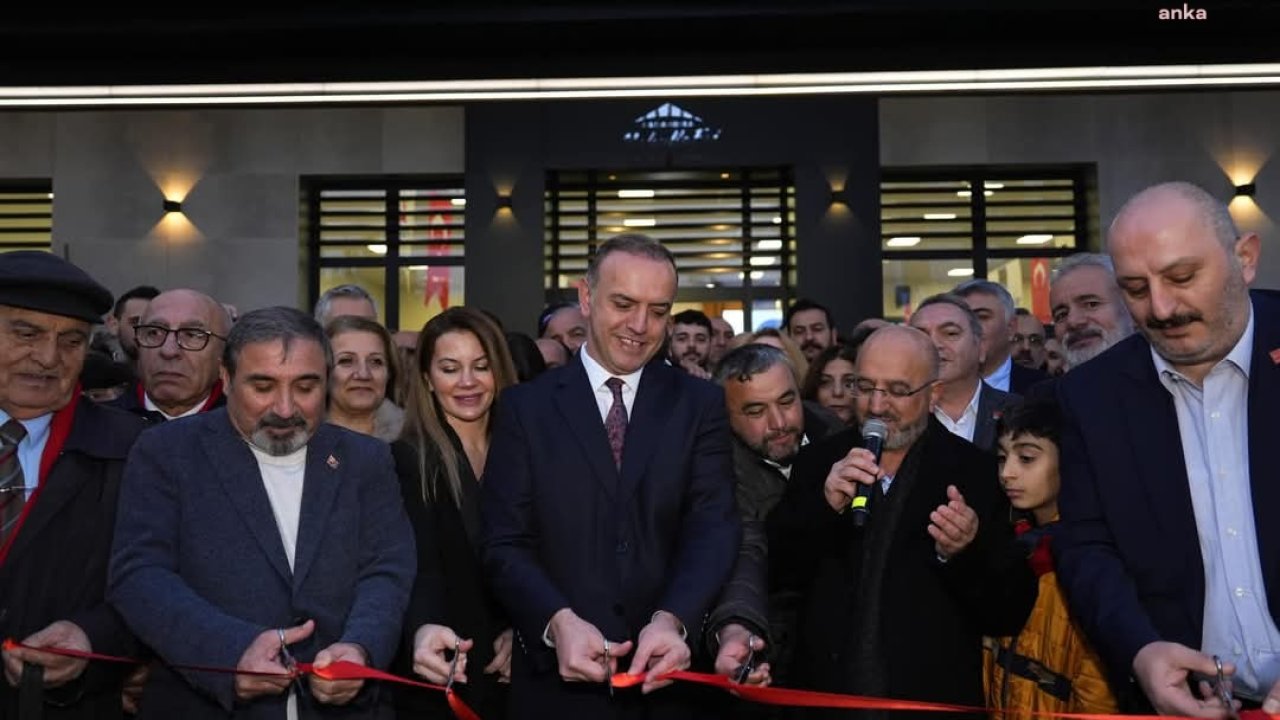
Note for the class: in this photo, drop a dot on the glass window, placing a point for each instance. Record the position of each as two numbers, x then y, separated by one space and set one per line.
26 216
402 239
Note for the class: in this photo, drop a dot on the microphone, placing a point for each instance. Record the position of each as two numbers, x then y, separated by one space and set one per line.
873 434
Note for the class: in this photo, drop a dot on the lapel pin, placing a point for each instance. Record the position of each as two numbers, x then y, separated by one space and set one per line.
1275 356
332 462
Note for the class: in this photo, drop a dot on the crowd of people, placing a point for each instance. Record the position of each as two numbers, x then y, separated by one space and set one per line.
971 507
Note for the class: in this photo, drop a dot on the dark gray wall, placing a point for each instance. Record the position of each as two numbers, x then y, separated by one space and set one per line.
829 143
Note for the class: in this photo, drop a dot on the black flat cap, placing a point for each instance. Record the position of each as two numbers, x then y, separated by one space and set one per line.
44 282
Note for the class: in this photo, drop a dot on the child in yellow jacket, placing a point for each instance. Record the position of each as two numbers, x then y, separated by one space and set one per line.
1049 666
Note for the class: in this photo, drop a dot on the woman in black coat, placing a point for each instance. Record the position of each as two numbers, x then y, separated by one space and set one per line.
462 364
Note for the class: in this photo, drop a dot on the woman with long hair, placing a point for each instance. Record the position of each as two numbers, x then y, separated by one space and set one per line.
365 365
830 379
462 364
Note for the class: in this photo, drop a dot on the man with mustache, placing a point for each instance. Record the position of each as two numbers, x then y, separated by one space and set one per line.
811 326
1089 314
180 337
1028 339
771 428
1168 549
965 405
898 607
721 334
61 458
690 343
254 534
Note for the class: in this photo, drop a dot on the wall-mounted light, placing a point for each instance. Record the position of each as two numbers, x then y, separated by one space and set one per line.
504 201
1247 190
837 196
172 206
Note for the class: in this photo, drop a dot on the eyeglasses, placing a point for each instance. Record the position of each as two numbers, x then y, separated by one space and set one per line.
898 391
1035 340
153 336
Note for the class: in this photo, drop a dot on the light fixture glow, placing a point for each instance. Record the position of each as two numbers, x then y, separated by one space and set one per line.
899 242
458 202
377 248
1246 190
757 274
777 219
635 193
769 245
939 216
170 206
993 185
969 193
763 261
960 272
640 222
1035 239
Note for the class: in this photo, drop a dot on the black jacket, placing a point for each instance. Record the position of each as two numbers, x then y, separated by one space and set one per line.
934 614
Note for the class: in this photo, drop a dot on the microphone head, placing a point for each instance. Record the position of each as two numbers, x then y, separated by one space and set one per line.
875 428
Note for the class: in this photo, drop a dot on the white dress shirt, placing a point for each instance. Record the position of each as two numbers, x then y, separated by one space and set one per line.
195 409
999 378
31 449
598 376
968 422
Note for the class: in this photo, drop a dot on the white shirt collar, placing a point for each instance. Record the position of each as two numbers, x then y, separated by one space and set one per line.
597 375
970 410
146 400
999 379
1241 355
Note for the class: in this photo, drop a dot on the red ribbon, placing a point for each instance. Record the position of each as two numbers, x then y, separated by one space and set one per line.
344 670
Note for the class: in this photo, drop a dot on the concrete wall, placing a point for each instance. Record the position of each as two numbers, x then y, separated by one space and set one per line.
1214 139
236 172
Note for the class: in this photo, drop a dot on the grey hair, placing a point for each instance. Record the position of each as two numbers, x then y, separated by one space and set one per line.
969 287
341 291
1213 211
274 323
1080 260
743 363
956 301
632 244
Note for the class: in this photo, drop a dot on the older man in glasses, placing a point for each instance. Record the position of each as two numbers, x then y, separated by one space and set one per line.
180 339
897 606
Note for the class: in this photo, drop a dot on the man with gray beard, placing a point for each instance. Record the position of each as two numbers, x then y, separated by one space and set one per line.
1089 314
898 607
255 534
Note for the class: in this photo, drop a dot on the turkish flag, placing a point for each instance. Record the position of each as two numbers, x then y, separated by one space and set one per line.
1040 290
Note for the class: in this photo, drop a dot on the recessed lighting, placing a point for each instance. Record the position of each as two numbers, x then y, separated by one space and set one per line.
939 216
903 242
964 193
640 222
1034 239
770 245
635 193
711 286
777 219
459 202
377 248
960 272
993 185
757 274
764 261
724 176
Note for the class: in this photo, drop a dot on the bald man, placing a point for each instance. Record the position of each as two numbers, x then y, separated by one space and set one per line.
937 518
1178 422
180 341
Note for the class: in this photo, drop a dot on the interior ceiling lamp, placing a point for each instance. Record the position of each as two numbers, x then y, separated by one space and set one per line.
1137 77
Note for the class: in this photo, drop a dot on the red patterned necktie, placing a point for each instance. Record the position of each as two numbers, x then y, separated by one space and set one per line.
12 483
615 423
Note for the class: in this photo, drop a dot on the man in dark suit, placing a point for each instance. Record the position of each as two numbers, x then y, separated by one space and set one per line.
609 522
1168 549
180 338
771 428
995 309
255 528
61 457
966 405
898 607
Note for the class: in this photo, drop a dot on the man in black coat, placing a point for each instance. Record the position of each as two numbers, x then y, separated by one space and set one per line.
898 607
771 428
61 459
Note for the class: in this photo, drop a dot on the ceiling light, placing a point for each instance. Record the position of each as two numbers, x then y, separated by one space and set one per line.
377 248
711 286
993 185
960 272
964 193
764 261
635 193
1034 239
769 245
939 216
757 274
903 242
777 219
640 222
459 202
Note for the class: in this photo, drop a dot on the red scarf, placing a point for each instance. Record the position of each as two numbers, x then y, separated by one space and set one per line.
1040 559
59 431
214 394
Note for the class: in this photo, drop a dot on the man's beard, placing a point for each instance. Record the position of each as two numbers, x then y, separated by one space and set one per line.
1079 355
901 436
278 446
762 448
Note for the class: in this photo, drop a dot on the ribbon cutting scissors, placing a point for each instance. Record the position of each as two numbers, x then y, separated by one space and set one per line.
1224 691
453 665
286 657
744 671
608 676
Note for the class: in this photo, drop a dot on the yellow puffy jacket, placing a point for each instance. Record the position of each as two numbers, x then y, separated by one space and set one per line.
1067 673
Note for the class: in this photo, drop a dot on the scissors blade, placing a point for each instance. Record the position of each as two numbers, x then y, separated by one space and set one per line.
453 665
1224 691
286 657
744 671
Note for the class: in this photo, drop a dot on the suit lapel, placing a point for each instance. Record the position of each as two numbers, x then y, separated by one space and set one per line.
653 403
1264 422
577 404
57 490
320 487
238 471
984 432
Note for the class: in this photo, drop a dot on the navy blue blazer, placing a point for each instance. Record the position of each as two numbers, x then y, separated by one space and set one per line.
1127 550
198 569
564 528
